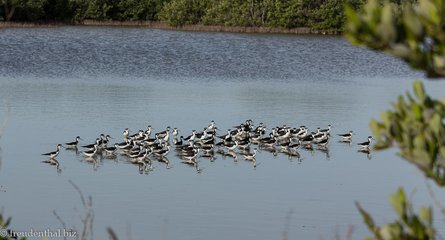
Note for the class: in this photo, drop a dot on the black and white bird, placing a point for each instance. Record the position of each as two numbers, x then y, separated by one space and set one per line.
346 136
111 150
126 133
125 144
163 133
365 145
178 143
326 130
54 154
211 129
73 144
90 153
322 142
268 141
191 137
227 136
104 140
175 132
231 145
162 152
149 130
306 140
91 146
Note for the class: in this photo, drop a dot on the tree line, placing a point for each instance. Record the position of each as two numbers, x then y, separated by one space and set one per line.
325 15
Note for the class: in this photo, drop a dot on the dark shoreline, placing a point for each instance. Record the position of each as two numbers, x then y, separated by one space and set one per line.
165 26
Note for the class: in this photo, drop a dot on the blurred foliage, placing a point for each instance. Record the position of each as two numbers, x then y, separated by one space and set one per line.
414 32
409 225
4 223
417 125
4 227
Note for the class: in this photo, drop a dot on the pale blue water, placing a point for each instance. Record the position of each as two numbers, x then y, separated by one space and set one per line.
62 82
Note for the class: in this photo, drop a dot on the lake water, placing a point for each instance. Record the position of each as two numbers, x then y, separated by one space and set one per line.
62 82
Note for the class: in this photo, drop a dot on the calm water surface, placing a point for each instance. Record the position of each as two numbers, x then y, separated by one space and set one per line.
62 82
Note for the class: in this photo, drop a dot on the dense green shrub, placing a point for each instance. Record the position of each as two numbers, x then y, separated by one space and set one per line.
325 15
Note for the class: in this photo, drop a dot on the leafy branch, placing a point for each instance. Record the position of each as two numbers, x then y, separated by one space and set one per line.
414 33
409 225
417 125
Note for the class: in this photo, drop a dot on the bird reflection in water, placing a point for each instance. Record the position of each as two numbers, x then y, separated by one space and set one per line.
366 151
53 162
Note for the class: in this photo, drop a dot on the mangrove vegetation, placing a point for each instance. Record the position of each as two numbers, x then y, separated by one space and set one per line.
415 124
324 15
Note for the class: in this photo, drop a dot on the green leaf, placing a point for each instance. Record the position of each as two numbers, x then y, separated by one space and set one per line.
422 156
412 22
419 91
400 50
390 231
386 118
419 142
371 8
442 152
417 111
428 10
426 215
398 202
410 98
367 218
353 18
436 124
407 140
439 63
386 27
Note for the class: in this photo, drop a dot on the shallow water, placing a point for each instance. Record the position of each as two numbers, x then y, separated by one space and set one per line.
62 82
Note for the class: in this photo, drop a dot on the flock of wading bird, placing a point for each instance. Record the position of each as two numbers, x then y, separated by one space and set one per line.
244 140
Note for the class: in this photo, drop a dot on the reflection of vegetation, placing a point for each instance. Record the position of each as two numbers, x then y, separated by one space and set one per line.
416 34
